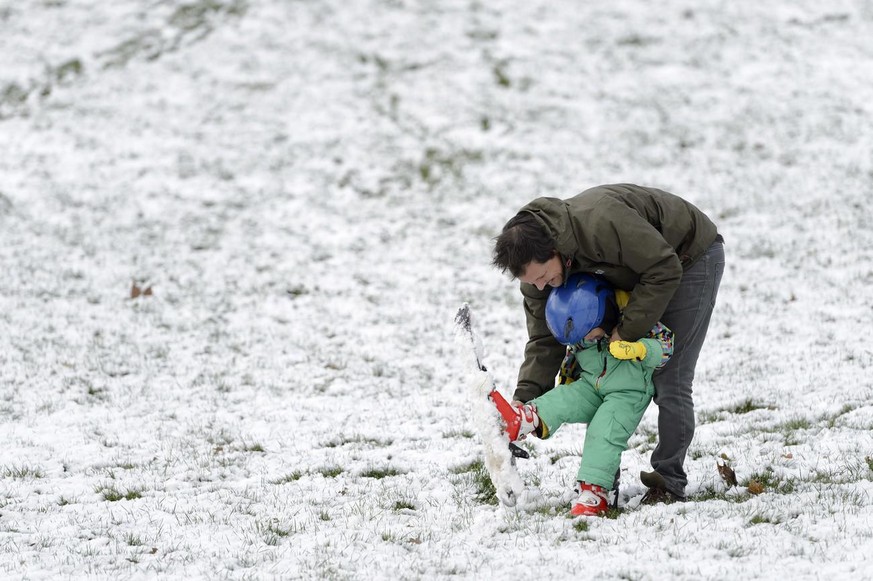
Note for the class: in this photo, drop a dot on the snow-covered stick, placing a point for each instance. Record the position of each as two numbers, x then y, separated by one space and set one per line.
489 424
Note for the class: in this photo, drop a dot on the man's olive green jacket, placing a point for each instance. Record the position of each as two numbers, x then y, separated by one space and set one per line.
639 239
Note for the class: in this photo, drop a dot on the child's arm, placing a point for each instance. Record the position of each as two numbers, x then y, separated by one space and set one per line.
654 350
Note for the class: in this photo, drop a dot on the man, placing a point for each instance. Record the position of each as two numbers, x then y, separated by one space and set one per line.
656 245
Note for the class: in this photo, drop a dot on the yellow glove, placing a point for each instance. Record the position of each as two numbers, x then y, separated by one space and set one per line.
627 350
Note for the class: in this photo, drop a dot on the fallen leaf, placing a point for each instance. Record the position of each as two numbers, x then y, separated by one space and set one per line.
726 472
137 291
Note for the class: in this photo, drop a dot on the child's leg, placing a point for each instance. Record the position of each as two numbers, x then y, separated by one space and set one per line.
573 403
607 436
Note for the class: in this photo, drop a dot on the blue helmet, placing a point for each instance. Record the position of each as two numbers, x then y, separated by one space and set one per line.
577 307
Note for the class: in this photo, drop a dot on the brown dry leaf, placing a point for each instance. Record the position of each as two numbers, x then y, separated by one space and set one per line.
726 472
755 487
137 291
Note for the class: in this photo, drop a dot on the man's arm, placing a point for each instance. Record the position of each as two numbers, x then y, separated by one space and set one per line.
630 241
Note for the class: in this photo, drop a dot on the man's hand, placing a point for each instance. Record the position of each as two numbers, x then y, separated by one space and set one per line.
627 350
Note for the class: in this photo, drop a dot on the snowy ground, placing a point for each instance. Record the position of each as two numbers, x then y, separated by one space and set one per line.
310 189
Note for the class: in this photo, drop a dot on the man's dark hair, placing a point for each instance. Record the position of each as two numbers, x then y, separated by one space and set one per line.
522 240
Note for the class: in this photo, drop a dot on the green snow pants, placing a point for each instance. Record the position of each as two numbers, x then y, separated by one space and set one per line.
612 416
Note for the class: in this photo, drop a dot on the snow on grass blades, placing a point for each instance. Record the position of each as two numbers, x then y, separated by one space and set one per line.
487 420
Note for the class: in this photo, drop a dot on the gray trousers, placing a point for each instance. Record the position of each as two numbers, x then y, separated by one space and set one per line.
688 315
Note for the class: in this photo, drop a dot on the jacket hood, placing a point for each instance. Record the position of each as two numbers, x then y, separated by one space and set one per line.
554 215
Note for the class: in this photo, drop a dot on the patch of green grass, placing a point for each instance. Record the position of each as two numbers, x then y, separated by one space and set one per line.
768 481
437 165
761 519
747 406
831 421
477 474
380 473
22 472
404 505
68 70
644 440
198 14
133 540
545 510
790 429
697 453
500 75
291 477
97 393
795 424
459 434
561 454
358 439
712 493
113 494
824 477
330 471
271 532
708 417
485 490
466 468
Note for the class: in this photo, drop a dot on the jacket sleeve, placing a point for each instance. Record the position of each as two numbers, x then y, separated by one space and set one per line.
628 239
542 354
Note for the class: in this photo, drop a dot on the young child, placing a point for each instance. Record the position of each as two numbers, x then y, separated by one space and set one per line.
606 385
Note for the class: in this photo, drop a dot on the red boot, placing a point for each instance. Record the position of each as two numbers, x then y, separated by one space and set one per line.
520 420
592 500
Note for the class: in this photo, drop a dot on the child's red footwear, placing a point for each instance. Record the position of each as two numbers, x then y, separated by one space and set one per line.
592 500
520 420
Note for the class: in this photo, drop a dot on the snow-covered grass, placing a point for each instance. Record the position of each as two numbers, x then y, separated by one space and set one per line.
310 189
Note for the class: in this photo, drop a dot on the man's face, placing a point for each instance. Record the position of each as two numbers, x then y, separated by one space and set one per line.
540 274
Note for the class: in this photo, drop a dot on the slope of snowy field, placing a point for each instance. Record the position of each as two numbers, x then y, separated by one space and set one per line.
309 189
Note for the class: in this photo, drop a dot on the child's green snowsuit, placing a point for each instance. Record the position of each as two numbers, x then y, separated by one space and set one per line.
611 396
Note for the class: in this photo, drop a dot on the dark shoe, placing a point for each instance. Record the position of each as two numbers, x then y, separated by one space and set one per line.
657 492
653 480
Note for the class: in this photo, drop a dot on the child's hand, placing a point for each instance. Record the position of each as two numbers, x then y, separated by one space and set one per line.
627 350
